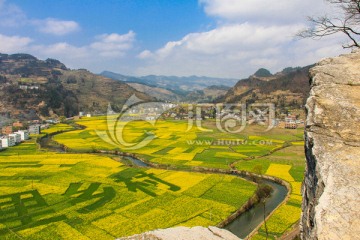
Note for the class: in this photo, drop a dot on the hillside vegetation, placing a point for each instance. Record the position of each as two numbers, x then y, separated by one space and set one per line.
31 88
288 89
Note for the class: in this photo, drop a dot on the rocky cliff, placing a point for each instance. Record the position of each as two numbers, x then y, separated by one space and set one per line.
184 233
331 189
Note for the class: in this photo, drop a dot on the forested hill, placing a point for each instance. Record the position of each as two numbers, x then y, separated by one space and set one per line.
287 89
31 88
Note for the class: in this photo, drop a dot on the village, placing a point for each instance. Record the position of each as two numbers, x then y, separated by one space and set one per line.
17 132
263 115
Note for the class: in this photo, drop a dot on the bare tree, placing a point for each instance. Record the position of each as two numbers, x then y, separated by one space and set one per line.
346 21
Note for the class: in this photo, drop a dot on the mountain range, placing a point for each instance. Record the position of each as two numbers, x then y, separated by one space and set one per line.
179 89
174 83
31 88
287 89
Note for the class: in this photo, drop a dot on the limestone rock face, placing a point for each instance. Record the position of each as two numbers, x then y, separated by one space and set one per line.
331 189
184 233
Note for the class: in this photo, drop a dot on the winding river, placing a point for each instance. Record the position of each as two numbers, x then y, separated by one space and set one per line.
242 225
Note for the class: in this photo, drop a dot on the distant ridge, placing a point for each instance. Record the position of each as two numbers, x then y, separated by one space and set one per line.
178 89
174 83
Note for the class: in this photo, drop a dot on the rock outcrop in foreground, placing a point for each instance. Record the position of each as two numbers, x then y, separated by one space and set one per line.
184 233
331 188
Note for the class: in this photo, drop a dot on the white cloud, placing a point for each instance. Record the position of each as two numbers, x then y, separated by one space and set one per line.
228 39
106 50
250 34
264 11
11 44
11 15
145 54
236 50
109 45
56 27
62 51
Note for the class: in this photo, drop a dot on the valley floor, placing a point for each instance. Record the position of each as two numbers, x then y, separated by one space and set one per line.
48 195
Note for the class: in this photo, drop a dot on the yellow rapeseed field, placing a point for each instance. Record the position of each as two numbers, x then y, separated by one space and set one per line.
47 195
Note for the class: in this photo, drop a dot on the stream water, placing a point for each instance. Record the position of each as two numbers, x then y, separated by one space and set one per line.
244 224
137 162
48 143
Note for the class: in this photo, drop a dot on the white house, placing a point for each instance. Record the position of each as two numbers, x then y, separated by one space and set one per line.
16 136
35 129
7 141
24 134
4 142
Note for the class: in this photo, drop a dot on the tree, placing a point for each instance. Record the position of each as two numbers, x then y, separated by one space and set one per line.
62 119
346 21
263 192
257 169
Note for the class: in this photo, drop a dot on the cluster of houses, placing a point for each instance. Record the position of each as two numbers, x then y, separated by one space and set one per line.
10 138
146 111
152 111
290 122
83 114
27 87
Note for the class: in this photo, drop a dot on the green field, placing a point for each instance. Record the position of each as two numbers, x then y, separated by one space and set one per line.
46 195
60 127
174 145
278 153
98 196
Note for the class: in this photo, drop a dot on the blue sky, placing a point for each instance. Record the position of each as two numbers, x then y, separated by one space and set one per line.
221 38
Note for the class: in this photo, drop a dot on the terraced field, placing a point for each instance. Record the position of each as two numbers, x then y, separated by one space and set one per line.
46 195
278 153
